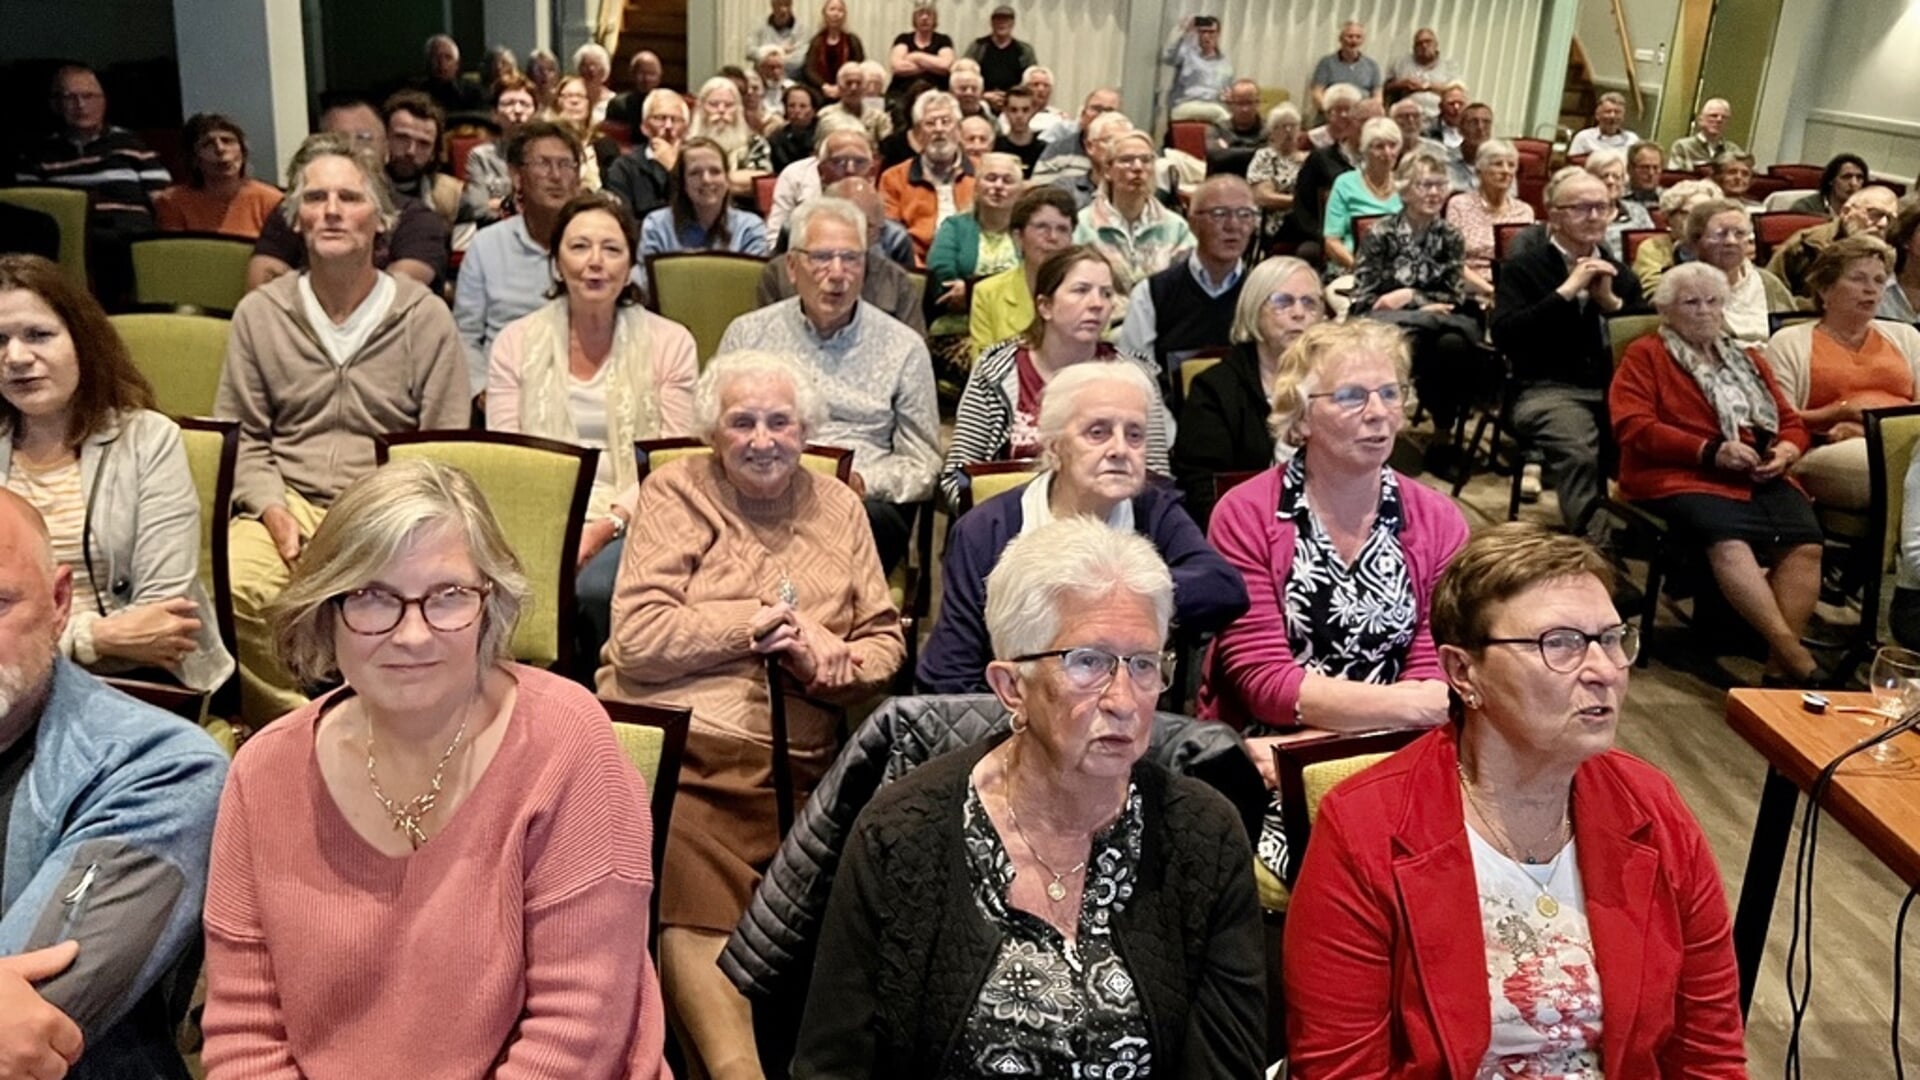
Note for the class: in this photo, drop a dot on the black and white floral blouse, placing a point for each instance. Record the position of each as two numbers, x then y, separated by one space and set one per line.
1047 1007
1352 622
1394 256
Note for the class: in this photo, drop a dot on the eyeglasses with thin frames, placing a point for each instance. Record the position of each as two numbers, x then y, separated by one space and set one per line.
822 261
1563 649
1089 669
1354 398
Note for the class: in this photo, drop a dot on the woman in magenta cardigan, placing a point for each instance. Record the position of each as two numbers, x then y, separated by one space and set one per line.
1339 553
1707 440
1509 895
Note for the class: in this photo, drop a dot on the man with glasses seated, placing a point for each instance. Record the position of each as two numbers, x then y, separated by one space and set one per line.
842 149
873 371
1188 307
887 285
508 267
640 176
1549 317
1868 212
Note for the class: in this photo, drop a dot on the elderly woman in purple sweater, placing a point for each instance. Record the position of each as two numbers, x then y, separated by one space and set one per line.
1092 424
1340 555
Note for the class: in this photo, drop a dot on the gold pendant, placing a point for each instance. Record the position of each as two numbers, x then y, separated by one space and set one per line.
1056 892
1547 906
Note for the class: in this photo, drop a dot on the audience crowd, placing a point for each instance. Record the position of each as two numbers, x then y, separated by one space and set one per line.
1177 381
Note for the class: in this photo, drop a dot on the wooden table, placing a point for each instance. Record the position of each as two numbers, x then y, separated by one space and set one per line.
1879 803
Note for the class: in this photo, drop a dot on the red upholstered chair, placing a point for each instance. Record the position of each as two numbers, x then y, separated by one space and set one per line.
1190 137
1798 175
1770 230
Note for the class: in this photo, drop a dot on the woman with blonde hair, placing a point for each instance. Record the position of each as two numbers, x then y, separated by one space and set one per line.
442 795
572 110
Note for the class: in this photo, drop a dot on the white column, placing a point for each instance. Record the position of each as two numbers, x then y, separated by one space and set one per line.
520 25
1557 21
267 93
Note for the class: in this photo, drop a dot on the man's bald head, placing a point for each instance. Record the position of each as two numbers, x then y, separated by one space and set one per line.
33 541
35 595
860 191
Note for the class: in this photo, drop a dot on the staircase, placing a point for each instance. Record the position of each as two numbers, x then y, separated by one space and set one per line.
659 25
1578 96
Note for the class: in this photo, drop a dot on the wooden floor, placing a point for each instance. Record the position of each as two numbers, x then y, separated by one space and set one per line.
1675 719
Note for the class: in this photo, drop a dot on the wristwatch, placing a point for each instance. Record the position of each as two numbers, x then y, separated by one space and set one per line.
619 524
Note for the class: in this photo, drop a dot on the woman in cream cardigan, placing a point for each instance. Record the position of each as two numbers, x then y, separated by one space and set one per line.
594 367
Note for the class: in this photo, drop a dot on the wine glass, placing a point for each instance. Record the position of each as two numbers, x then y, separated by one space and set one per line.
1895 682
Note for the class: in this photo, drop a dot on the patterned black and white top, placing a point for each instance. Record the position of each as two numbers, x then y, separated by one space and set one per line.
1048 1007
1344 621
1394 256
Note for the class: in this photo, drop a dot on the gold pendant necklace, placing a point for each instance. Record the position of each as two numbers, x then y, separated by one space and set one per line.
409 817
1545 904
1056 890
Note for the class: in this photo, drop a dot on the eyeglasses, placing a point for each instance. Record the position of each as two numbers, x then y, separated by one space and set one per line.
822 261
1434 183
1354 398
553 166
79 97
1874 214
1134 161
1220 215
850 163
1563 649
1725 236
1089 669
1585 209
374 610
1284 302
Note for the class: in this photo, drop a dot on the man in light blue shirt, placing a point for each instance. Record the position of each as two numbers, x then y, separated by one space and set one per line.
1201 72
1348 65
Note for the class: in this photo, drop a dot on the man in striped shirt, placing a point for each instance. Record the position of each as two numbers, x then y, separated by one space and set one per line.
111 164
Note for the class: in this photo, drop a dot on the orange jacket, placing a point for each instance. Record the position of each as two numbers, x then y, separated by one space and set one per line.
911 200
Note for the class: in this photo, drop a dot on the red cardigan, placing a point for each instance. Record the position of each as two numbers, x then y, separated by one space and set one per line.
1663 422
1386 965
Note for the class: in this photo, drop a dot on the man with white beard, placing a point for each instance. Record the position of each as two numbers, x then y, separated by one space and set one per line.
106 807
922 192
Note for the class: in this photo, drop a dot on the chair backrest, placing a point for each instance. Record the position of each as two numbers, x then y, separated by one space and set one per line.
763 192
1624 330
206 271
1784 199
537 489
459 148
1362 226
650 454
1779 320
213 449
1771 229
68 209
1631 239
1190 368
1670 177
654 738
1189 137
1764 186
1504 235
985 479
181 355
1892 435
1227 481
188 705
1310 768
1798 175
704 291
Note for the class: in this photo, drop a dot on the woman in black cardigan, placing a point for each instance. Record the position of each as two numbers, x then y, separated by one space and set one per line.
1048 900
1223 424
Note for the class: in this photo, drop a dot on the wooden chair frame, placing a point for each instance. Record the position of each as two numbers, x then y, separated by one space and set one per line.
187 704
673 721
991 468
1291 760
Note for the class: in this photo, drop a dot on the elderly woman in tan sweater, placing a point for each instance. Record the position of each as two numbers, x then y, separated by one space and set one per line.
734 557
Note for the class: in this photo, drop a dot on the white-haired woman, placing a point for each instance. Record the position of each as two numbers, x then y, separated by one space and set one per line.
1657 253
1609 164
1093 459
1273 170
543 70
1720 232
1127 222
592 64
973 244
1368 191
1340 554
1491 202
379 804
1706 438
1223 426
998 415
734 557
717 116
1046 901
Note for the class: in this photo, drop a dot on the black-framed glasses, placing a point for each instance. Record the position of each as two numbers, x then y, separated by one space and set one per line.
1223 214
1089 669
821 260
1564 648
1353 398
377 610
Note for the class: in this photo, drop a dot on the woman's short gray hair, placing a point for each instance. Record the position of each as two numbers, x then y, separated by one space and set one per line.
1379 130
828 206
1286 110
595 50
364 532
1260 283
1674 200
1062 398
1495 150
1603 157
1342 94
727 368
1047 572
333 144
1415 167
1690 275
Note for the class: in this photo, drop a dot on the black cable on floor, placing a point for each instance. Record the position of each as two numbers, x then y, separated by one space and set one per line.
1899 934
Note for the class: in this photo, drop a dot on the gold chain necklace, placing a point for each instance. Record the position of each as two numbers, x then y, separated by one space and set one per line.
409 816
1545 904
1056 891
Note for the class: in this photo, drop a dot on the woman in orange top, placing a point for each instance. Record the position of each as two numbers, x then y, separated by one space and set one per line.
220 197
1706 438
1833 370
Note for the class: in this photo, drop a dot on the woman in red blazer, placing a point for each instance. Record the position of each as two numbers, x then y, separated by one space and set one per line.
1511 896
1706 441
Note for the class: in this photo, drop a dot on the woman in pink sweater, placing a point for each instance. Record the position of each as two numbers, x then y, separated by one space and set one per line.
441 869
1340 554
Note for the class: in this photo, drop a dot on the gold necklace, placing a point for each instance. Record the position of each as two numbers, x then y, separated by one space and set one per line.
1545 904
409 816
1056 891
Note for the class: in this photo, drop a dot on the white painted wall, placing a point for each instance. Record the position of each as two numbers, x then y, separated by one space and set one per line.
1650 25
267 98
1843 77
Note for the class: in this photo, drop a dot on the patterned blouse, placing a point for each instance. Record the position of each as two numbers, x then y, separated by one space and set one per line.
1344 621
1267 164
1394 256
1049 1007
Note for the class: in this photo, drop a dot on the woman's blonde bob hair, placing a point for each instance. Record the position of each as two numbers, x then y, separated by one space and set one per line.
1308 359
365 531
1259 285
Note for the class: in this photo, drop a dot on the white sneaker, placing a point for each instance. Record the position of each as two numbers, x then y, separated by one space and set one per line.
1530 483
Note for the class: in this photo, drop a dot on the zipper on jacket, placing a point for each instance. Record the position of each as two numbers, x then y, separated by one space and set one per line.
76 901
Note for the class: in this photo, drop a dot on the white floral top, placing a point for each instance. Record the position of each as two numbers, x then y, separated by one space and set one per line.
1047 1007
1543 982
